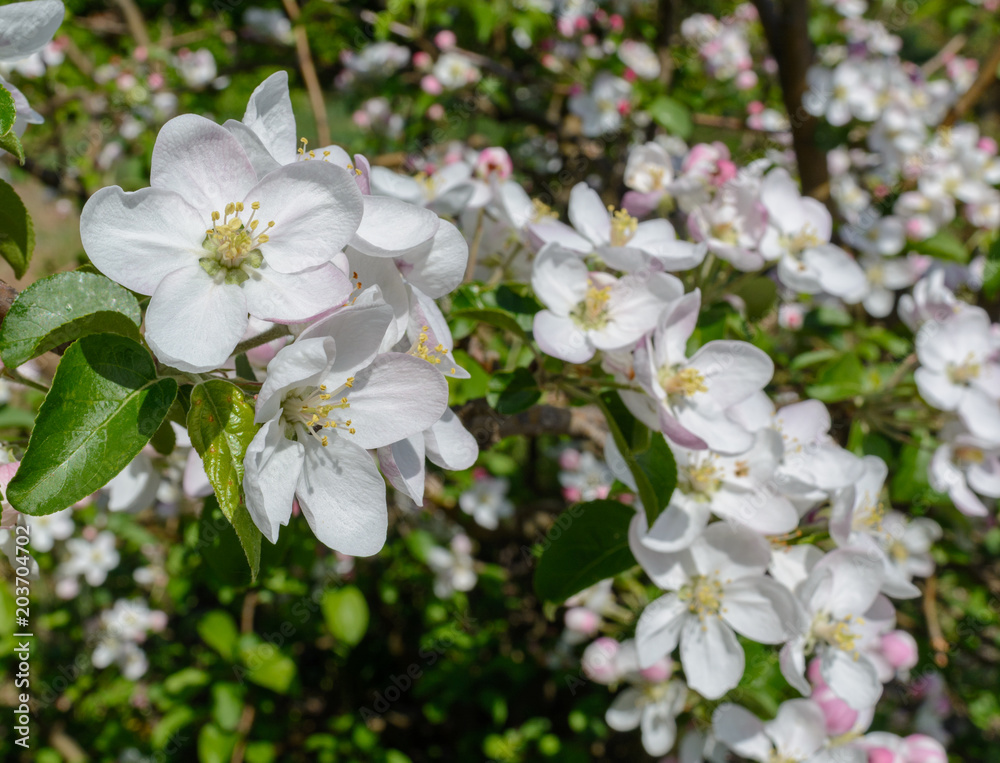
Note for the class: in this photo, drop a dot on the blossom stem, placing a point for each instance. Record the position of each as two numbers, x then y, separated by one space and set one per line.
474 249
13 375
275 332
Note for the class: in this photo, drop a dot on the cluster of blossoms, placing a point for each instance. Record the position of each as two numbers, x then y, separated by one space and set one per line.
752 476
243 224
118 633
724 44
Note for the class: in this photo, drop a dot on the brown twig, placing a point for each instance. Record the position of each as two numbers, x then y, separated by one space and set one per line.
940 58
243 729
938 642
787 30
135 21
246 614
308 69
987 76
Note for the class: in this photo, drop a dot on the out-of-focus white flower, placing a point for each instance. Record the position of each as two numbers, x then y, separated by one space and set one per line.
486 501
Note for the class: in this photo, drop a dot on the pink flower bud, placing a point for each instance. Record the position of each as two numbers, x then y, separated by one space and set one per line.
988 145
617 22
900 649
881 755
572 494
569 459
840 717
746 80
658 672
435 112
422 60
598 660
445 39
430 85
920 748
494 161
582 620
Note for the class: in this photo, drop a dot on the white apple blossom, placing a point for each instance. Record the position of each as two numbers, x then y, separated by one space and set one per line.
796 735
212 241
959 370
590 311
93 559
25 29
966 467
652 707
486 501
717 586
328 397
689 397
48 528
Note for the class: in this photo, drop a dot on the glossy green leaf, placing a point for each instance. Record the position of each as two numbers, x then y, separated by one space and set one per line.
588 543
221 426
264 664
215 745
346 614
17 232
672 115
104 405
8 110
513 392
64 307
218 630
493 317
944 245
10 143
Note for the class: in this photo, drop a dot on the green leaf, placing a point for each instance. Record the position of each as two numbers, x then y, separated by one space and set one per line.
672 115
243 368
655 474
8 110
517 298
346 613
16 418
218 630
64 307
17 232
760 295
513 392
265 665
493 317
104 405
991 273
215 745
10 143
592 545
227 704
221 426
944 245
164 440
841 380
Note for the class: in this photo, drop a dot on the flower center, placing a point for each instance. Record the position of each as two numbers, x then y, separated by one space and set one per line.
702 479
623 226
969 454
703 596
592 313
234 246
540 211
685 382
836 632
804 239
726 233
870 515
313 409
963 373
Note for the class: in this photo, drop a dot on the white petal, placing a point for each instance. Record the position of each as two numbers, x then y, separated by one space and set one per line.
730 552
449 444
402 463
589 215
559 279
272 467
762 610
342 496
193 323
712 658
390 227
659 627
742 732
625 711
269 114
295 297
201 161
139 238
561 338
438 267
25 28
316 208
397 396
851 677
798 730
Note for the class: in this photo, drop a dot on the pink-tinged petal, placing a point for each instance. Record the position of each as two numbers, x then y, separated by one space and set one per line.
561 338
560 279
391 228
395 397
402 463
137 239
272 467
193 323
639 204
678 433
295 297
762 610
437 267
342 496
712 657
589 215
25 28
659 628
449 444
269 114
201 161
676 324
7 472
316 208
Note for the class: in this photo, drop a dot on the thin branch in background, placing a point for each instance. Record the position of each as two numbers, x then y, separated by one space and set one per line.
308 69
787 30
135 21
987 76
940 58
